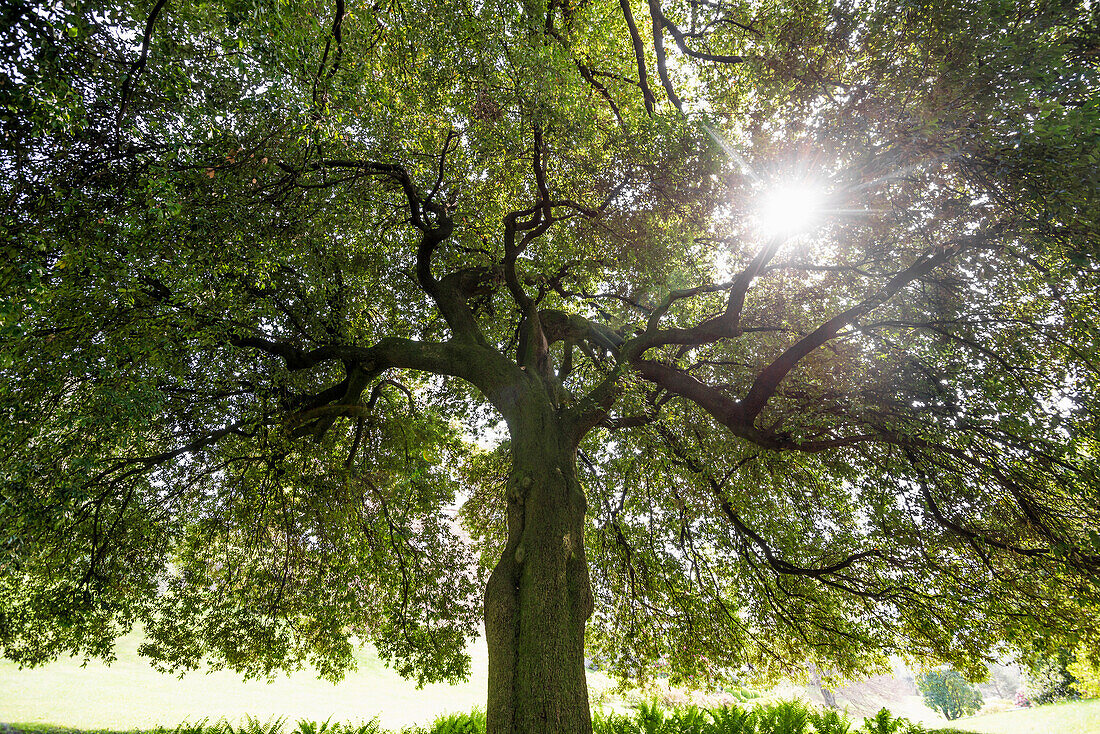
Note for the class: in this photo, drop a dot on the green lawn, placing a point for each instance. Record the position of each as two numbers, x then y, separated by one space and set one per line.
1076 717
131 695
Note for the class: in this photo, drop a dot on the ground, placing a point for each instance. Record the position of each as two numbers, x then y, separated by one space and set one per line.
131 695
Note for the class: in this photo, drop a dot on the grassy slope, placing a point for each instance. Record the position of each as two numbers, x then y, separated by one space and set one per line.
1076 717
130 694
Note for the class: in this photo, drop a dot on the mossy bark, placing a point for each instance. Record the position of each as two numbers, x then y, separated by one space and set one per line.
538 597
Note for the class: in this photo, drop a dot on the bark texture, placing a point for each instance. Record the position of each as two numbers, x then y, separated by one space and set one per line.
538 598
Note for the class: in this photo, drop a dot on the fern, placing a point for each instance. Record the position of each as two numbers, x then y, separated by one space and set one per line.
783 717
829 721
732 720
884 723
471 723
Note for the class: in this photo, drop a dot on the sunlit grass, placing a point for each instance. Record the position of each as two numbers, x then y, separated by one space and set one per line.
1074 717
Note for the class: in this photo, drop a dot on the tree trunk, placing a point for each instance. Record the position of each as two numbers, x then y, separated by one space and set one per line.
830 698
826 693
538 597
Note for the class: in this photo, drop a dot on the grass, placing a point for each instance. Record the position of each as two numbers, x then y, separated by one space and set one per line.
1073 717
131 695
1078 717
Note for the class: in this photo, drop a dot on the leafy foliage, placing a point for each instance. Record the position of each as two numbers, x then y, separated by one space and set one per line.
472 723
252 725
829 721
268 265
884 722
780 717
1086 673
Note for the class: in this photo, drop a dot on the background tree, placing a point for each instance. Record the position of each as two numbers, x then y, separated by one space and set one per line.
269 263
1086 675
1049 675
946 691
1003 682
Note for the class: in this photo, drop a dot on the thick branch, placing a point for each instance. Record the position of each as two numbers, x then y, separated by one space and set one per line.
768 380
139 63
725 325
434 232
659 51
639 55
482 367
681 41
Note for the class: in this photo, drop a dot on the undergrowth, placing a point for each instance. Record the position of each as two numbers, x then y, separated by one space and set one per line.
783 717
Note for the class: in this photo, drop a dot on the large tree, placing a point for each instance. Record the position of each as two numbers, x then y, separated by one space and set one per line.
270 264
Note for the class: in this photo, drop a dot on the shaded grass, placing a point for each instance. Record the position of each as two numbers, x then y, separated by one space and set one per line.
130 696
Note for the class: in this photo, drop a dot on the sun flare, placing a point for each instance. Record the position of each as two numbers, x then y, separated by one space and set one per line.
785 211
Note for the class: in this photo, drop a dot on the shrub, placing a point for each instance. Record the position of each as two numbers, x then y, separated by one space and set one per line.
784 717
733 720
612 724
948 692
312 727
691 720
199 727
1087 673
651 719
250 726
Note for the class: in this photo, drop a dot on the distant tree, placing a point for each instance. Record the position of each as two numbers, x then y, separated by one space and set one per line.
1048 673
946 691
1003 681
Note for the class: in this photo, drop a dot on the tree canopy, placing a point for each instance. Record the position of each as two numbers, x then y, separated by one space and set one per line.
270 264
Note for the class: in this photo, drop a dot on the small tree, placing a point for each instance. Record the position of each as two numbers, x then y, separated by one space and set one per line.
946 691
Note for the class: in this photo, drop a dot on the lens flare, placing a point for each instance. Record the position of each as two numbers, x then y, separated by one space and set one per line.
785 211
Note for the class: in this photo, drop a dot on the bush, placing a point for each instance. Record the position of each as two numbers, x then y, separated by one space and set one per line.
829 721
272 726
311 727
1087 674
948 692
783 717
733 720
